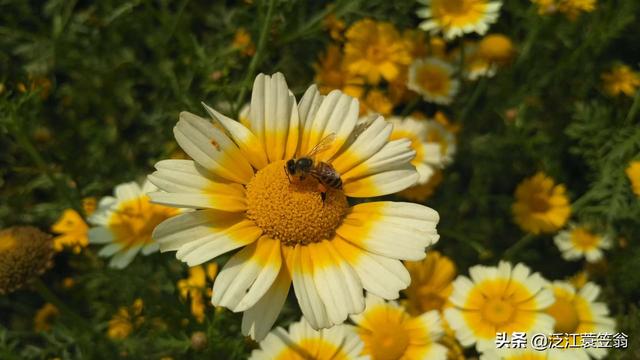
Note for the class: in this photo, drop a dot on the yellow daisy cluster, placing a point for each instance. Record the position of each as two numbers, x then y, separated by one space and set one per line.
370 62
570 8
126 320
72 230
196 287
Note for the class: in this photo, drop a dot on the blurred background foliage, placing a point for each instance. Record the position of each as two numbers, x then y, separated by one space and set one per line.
90 92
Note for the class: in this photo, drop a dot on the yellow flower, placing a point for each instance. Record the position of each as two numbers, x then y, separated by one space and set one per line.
577 312
74 232
496 48
25 253
242 42
44 317
579 279
302 342
375 50
633 173
416 43
89 205
579 241
457 17
331 75
570 8
475 65
126 320
448 340
289 229
621 80
541 206
431 283
388 332
505 298
125 222
334 25
433 79
195 286
573 8
422 192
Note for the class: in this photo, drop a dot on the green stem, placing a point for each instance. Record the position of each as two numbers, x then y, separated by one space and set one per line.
519 245
255 61
481 250
50 297
477 91
25 143
635 107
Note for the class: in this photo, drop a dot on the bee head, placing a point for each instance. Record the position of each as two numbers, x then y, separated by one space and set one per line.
291 167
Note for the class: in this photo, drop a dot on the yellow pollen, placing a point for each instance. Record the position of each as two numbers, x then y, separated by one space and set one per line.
498 311
293 213
7 242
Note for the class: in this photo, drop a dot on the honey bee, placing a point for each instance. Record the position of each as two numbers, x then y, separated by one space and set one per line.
305 166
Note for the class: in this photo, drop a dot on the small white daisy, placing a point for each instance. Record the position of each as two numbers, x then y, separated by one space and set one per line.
302 342
433 79
579 242
125 223
457 17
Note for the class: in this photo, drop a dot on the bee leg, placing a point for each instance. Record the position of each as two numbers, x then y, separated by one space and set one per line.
287 172
323 191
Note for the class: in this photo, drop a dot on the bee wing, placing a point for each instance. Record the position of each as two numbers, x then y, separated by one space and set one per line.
323 145
360 128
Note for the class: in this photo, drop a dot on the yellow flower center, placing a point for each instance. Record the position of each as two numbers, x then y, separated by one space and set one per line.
457 7
7 242
564 311
539 203
134 221
389 342
293 212
583 239
433 79
498 311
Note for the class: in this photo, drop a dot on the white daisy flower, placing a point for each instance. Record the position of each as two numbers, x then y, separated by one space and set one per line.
505 298
389 332
579 242
124 223
289 229
577 312
302 342
457 17
429 154
433 79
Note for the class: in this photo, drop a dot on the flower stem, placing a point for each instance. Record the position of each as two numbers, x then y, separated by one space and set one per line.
635 107
477 91
519 245
46 294
257 58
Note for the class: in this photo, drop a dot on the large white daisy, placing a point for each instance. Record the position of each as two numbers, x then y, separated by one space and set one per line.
288 230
